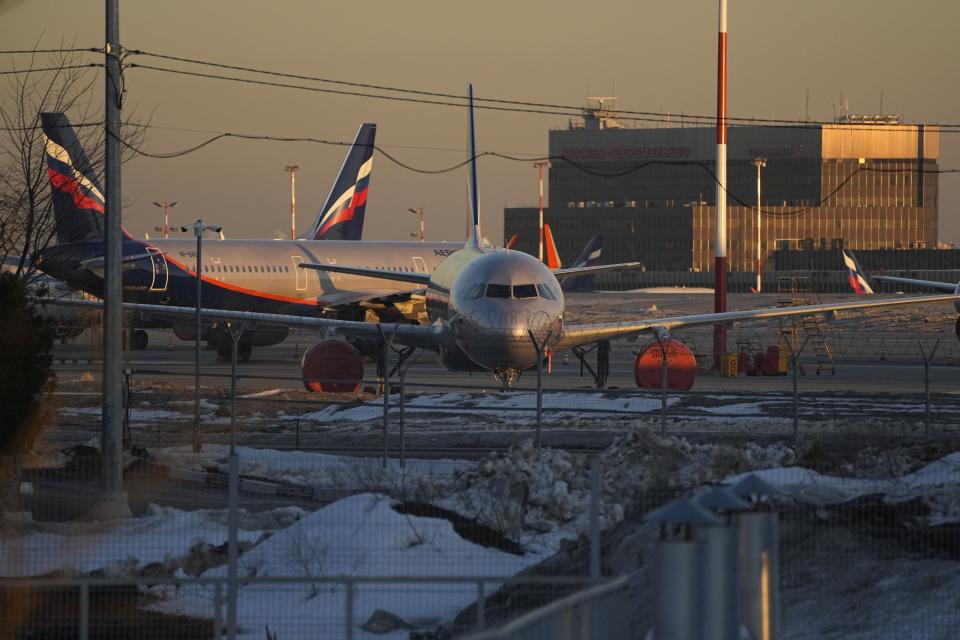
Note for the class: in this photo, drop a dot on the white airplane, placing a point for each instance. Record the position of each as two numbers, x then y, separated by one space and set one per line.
500 310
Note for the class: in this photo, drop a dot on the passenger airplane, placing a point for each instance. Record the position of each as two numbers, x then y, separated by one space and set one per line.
497 309
590 256
860 282
246 275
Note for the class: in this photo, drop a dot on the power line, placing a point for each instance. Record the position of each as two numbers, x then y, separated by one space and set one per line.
531 107
32 51
43 69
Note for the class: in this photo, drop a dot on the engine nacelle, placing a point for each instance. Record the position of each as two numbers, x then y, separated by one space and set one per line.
333 366
681 366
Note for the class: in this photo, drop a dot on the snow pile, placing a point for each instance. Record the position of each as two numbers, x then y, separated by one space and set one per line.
937 484
359 536
124 547
642 464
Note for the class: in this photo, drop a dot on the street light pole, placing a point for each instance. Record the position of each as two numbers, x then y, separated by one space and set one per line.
419 212
759 163
292 169
166 220
198 228
540 166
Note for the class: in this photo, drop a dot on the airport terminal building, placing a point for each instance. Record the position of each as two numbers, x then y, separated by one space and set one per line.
862 183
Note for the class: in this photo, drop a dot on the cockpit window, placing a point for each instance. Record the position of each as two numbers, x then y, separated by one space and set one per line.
498 291
476 291
546 292
524 291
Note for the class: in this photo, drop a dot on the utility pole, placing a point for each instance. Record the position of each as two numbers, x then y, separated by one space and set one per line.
166 220
540 166
292 169
198 228
759 163
419 212
720 223
113 503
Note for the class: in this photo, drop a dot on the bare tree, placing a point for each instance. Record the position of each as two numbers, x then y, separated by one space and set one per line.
66 82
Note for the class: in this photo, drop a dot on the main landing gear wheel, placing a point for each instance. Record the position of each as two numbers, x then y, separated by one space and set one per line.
225 347
139 340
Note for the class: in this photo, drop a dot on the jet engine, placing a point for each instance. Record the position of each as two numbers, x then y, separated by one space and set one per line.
681 366
332 366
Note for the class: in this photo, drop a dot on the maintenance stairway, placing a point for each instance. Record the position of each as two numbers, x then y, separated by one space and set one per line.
794 291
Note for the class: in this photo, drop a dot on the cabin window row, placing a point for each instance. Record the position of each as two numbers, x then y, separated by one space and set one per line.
229 268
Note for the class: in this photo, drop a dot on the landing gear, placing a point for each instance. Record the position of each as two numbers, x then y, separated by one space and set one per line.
507 377
602 372
138 340
225 347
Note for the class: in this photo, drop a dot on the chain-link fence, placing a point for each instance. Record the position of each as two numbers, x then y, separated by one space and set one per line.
449 505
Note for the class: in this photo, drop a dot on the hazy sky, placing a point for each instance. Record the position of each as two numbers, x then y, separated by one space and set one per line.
653 55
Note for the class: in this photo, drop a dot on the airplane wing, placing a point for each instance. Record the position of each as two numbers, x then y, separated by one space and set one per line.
933 284
384 274
420 336
583 271
574 335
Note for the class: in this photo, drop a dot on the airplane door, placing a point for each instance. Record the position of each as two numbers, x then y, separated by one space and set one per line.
161 276
419 265
301 275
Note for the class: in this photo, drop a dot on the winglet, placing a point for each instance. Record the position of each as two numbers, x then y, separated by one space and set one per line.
857 278
475 237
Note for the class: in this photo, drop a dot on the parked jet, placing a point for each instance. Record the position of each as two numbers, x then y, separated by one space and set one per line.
500 310
859 281
244 275
590 256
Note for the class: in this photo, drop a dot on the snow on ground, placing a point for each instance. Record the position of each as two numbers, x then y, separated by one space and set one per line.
358 536
558 406
318 470
120 547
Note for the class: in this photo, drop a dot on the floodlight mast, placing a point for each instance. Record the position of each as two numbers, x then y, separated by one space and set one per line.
198 228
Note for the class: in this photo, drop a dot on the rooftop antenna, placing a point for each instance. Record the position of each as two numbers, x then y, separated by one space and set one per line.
881 101
806 107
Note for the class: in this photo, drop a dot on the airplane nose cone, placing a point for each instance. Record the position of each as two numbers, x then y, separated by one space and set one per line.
497 339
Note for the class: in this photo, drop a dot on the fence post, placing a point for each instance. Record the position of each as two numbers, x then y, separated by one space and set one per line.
349 617
217 610
84 611
663 386
926 382
595 493
233 517
481 606
403 399
539 347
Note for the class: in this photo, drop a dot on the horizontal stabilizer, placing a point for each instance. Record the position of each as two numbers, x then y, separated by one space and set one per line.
600 268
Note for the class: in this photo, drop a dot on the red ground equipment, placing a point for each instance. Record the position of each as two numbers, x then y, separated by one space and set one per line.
333 366
681 366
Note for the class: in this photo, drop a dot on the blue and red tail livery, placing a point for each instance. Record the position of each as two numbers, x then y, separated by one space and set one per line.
858 279
342 215
589 257
78 201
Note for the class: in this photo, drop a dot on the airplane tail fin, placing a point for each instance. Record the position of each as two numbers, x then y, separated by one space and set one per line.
589 257
78 200
474 238
857 278
550 252
512 241
342 215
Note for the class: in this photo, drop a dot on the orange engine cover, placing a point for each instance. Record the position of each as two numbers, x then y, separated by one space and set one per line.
681 366
333 366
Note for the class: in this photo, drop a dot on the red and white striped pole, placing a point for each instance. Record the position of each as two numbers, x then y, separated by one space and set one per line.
720 223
